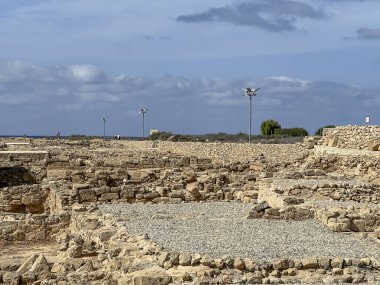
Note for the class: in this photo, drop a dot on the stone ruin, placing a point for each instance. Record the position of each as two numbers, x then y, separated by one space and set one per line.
128 212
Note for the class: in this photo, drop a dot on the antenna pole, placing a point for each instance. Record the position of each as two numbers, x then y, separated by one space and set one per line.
250 92
250 119
143 111
104 128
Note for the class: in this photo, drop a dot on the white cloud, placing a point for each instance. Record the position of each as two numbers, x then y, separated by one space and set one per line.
84 73
83 89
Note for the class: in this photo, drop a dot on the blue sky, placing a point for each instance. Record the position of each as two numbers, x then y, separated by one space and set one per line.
64 65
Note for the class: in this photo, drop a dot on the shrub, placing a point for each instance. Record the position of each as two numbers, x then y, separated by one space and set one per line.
292 132
269 127
320 130
160 136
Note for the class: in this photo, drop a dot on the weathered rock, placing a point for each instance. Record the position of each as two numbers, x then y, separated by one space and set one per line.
195 259
239 264
337 262
28 277
184 259
11 278
40 265
282 264
27 264
310 263
146 277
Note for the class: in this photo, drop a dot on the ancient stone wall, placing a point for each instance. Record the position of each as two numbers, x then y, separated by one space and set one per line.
38 227
350 137
228 151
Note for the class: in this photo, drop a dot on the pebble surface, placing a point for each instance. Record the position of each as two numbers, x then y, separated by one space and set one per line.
220 228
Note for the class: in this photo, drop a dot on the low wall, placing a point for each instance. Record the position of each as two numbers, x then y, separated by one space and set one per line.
354 137
23 199
40 227
228 151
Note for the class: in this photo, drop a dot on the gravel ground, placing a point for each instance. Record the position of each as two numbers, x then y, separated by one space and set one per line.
220 228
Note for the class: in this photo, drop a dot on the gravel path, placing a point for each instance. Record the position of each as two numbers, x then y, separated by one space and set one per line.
220 228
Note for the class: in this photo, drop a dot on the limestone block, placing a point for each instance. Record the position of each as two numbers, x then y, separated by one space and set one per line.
373 145
11 278
193 189
127 192
58 268
282 264
167 200
57 173
250 265
146 277
87 195
310 263
101 174
337 262
27 264
185 161
333 141
273 199
185 259
195 259
358 225
239 264
40 265
377 232
219 263
339 225
255 278
109 196
324 262
151 195
28 277
77 178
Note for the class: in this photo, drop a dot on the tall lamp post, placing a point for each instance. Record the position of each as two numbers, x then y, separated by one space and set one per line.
143 111
250 93
105 119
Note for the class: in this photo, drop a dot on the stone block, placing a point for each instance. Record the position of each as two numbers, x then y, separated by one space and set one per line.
310 263
373 145
109 196
127 192
87 195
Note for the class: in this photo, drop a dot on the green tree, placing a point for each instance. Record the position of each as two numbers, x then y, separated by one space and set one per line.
320 130
269 127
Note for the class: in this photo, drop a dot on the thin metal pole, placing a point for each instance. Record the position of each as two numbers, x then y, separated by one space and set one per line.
250 118
143 126
104 130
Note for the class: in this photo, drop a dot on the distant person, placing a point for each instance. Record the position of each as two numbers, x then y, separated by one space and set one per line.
115 136
118 137
59 135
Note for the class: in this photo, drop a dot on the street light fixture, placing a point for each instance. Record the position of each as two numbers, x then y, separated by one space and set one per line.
105 119
250 92
143 111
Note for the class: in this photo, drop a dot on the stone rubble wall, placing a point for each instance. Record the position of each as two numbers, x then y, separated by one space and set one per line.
350 137
285 199
11 176
33 163
228 151
23 199
37 227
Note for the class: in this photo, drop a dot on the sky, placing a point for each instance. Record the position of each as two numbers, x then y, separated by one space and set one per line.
64 65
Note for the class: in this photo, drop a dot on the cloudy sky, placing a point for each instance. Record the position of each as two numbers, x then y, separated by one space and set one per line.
66 64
